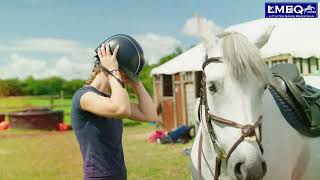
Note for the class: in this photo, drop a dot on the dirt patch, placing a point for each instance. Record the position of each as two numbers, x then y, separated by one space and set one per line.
3 152
138 136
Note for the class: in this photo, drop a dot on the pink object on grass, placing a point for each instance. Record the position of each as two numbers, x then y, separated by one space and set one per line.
155 136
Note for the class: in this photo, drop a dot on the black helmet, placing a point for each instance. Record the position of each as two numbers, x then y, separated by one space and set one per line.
130 55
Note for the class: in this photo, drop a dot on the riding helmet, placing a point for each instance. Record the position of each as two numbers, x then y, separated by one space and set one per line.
130 55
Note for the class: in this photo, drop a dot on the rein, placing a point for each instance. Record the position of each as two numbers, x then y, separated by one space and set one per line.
246 130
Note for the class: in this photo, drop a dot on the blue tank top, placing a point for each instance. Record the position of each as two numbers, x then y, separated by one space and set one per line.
100 140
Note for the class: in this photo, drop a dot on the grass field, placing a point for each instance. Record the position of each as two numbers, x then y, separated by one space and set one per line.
33 155
50 155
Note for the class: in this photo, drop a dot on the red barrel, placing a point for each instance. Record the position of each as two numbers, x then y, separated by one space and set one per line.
1 117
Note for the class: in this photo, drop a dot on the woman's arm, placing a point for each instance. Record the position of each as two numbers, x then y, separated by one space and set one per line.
145 110
118 105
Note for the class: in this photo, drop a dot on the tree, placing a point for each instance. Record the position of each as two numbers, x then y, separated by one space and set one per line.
10 87
53 85
69 87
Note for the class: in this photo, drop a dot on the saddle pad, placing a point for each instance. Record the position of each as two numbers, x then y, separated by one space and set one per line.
293 118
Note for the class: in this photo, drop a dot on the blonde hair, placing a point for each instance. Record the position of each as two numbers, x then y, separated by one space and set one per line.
96 69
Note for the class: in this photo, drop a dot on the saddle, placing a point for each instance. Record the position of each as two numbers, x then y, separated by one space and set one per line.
298 102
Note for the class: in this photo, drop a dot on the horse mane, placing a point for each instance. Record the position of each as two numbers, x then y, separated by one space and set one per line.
242 58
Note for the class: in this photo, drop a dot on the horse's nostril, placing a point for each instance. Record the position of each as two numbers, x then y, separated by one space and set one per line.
237 170
264 168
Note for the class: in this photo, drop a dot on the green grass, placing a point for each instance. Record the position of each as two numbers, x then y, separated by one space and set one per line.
53 155
38 154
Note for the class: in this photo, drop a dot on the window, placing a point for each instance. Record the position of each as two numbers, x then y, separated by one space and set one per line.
167 85
187 76
279 62
305 66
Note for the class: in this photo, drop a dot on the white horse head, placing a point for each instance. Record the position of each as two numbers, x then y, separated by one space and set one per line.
234 91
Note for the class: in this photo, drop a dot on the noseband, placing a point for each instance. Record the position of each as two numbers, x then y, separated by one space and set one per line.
246 130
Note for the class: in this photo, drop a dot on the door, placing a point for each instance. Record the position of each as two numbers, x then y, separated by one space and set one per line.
168 114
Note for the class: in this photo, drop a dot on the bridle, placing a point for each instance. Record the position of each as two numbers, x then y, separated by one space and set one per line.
246 130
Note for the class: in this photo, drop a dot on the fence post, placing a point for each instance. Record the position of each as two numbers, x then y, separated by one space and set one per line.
51 102
61 95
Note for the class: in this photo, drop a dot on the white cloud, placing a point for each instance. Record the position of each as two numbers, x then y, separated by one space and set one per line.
46 45
71 68
50 46
155 46
74 61
192 27
21 67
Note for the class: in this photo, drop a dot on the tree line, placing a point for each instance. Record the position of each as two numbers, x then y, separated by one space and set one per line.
34 87
55 85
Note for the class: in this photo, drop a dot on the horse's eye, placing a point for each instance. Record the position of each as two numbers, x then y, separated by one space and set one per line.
266 86
213 88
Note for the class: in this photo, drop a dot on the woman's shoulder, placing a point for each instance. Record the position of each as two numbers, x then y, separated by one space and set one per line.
83 90
80 92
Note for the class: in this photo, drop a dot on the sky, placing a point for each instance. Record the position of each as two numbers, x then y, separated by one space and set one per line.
46 38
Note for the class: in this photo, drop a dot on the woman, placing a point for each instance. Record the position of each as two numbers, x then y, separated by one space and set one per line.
97 109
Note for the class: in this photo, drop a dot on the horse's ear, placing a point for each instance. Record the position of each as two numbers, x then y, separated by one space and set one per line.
264 37
203 32
207 30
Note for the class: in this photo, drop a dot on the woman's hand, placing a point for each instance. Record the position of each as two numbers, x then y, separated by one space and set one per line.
107 60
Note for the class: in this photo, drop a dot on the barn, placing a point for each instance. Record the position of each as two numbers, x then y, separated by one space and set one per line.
177 82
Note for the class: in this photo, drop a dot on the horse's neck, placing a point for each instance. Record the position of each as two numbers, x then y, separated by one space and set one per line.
282 144
286 151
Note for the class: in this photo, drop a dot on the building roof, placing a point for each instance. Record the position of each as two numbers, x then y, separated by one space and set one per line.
190 60
298 37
